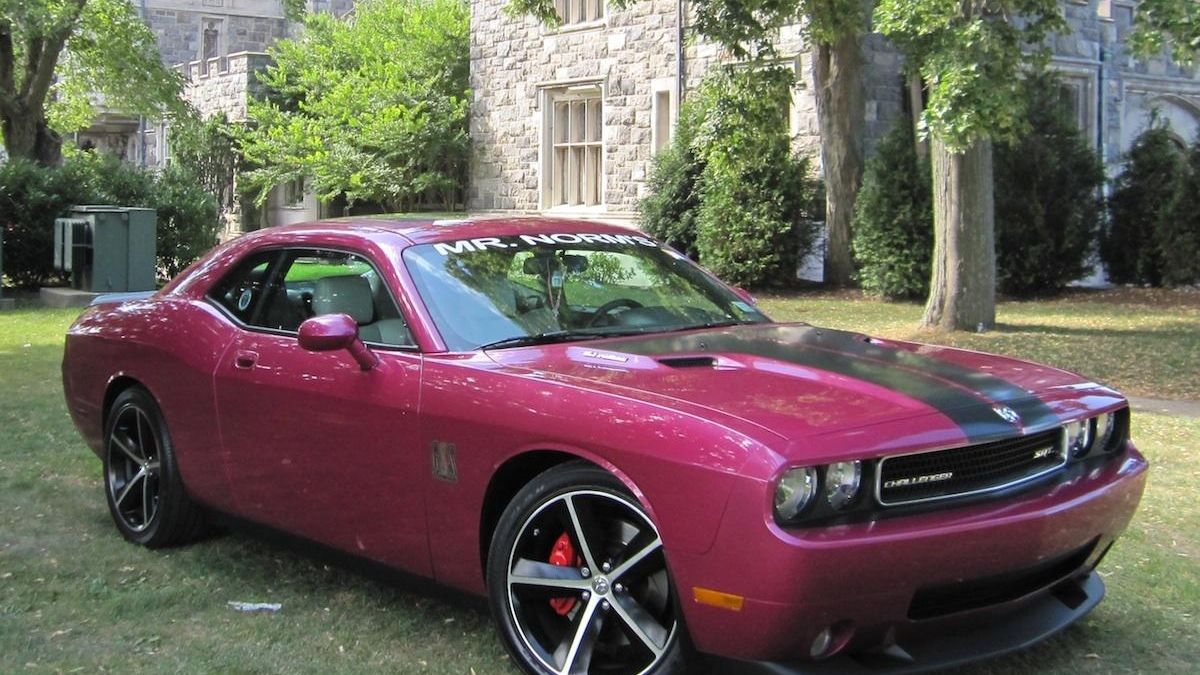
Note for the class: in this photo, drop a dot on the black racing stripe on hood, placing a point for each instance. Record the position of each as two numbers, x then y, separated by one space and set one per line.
962 394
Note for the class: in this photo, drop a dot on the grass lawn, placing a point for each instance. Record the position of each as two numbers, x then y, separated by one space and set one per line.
74 597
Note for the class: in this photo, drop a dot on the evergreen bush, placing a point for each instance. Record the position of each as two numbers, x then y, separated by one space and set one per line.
668 211
893 219
1140 209
730 190
1179 234
1048 199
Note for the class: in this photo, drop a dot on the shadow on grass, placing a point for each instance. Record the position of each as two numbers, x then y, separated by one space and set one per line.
1019 329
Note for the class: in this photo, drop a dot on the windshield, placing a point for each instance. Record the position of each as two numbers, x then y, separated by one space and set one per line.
508 291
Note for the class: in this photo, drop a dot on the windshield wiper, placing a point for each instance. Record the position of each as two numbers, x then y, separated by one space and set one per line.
711 324
550 337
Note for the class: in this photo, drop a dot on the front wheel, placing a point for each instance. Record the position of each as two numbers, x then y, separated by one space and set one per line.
578 581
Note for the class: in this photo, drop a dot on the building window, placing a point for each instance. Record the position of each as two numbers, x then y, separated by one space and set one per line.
1076 93
293 192
210 39
574 161
664 119
579 11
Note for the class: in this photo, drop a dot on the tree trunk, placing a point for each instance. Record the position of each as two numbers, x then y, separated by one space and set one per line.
28 136
841 111
962 293
916 106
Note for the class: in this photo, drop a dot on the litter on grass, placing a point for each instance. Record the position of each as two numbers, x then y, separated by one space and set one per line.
268 607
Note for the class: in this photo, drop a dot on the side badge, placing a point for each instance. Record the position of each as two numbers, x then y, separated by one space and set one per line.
444 466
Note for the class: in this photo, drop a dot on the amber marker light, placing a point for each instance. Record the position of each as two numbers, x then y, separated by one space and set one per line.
707 596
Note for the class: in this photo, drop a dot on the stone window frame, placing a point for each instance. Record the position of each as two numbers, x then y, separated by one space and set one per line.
595 15
293 193
553 146
1083 80
664 113
222 39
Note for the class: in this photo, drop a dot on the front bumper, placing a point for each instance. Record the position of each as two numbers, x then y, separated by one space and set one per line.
1046 616
862 578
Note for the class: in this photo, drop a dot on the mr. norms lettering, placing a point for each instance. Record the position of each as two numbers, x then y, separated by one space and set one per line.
527 240
919 480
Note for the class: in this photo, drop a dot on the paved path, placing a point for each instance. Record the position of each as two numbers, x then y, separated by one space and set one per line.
1166 406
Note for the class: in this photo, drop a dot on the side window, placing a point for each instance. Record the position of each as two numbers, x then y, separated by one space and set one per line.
242 289
313 283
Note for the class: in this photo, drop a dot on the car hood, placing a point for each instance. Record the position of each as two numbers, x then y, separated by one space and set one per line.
797 380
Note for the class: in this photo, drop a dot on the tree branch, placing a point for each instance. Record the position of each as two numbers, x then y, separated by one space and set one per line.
33 54
37 85
6 57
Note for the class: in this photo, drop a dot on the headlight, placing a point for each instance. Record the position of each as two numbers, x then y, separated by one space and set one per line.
1079 437
1105 424
841 483
795 490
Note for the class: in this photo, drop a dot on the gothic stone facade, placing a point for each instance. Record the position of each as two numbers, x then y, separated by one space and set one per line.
567 120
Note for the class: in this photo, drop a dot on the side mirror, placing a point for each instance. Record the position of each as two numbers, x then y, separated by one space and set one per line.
745 295
331 332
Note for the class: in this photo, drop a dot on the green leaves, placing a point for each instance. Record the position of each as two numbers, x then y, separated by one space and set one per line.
971 57
106 50
729 190
1159 24
373 108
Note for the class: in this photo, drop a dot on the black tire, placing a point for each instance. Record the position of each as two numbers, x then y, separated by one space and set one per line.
142 486
558 615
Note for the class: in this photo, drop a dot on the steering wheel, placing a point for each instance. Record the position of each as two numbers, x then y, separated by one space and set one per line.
609 306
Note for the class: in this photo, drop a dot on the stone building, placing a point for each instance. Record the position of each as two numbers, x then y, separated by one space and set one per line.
568 119
218 46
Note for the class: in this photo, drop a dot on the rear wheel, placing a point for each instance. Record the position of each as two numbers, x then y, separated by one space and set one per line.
145 493
578 581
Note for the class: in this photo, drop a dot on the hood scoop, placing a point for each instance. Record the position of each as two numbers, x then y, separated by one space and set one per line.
688 361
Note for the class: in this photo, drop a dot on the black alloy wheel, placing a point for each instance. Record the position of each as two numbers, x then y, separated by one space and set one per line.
145 494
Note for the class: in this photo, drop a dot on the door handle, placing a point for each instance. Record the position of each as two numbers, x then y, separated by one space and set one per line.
245 359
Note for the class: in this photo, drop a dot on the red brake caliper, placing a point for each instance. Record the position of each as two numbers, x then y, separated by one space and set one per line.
563 554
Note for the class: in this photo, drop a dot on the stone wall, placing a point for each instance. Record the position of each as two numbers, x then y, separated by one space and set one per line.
224 84
514 61
245 25
631 54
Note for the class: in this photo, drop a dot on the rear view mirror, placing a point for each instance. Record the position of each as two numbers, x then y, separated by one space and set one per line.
539 265
331 332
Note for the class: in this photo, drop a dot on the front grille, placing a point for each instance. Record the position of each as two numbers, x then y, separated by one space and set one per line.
941 474
960 596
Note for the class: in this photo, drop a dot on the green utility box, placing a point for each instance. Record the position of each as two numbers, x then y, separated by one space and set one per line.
107 249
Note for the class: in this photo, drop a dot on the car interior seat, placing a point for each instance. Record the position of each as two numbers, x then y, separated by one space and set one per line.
352 295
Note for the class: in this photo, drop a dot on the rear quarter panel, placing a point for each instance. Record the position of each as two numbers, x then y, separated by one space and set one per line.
170 346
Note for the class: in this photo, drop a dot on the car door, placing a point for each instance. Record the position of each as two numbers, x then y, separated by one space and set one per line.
313 444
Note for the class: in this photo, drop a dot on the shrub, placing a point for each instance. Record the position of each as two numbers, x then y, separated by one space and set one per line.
1179 234
32 196
1140 208
1048 200
187 220
1047 206
730 190
668 211
893 219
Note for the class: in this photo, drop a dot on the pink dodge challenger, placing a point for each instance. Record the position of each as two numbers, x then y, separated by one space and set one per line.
628 458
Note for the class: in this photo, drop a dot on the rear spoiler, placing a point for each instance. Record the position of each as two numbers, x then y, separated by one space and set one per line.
118 298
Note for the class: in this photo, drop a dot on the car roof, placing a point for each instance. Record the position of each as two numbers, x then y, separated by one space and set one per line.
418 230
